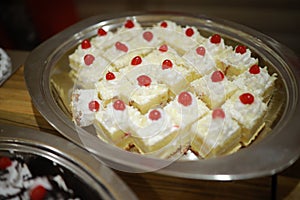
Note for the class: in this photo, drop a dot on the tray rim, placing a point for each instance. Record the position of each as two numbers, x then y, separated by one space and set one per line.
55 148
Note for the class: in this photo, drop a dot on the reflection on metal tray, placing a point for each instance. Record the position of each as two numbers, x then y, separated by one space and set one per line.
50 88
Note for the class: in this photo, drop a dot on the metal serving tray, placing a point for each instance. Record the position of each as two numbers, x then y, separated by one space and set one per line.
24 141
46 75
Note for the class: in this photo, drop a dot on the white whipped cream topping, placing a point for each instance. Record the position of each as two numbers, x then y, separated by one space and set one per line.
76 59
245 114
183 116
148 96
238 60
89 75
116 56
173 78
131 73
165 32
116 121
129 33
105 41
19 177
214 132
201 64
256 83
214 49
139 42
156 57
108 89
175 36
155 131
184 43
213 93
82 115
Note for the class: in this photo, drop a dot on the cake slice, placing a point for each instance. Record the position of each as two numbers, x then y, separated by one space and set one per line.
145 92
156 134
214 89
248 110
147 96
200 59
257 80
163 52
104 39
130 29
118 54
108 86
236 61
182 39
166 58
215 134
85 103
175 77
215 45
115 123
185 109
76 59
145 41
92 71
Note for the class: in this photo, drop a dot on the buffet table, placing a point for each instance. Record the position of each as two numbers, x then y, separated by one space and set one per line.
17 109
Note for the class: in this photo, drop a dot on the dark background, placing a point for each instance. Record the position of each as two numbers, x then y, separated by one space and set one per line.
26 23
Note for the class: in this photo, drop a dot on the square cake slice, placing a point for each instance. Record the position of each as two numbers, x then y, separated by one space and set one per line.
116 122
257 80
249 111
215 134
214 89
156 134
85 103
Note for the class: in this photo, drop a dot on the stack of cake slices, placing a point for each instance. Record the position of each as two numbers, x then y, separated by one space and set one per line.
166 88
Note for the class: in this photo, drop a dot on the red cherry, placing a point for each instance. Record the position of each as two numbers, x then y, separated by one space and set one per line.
120 46
167 64
254 69
148 36
94 106
240 49
136 60
129 24
200 51
189 32
218 113
217 76
119 105
163 48
164 24
185 98
247 98
89 59
144 80
4 163
215 39
101 32
38 193
110 76
154 115
85 44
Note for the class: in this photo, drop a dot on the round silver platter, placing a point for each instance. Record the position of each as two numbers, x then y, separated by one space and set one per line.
46 75
101 179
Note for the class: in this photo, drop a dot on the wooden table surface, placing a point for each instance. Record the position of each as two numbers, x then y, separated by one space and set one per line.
17 109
